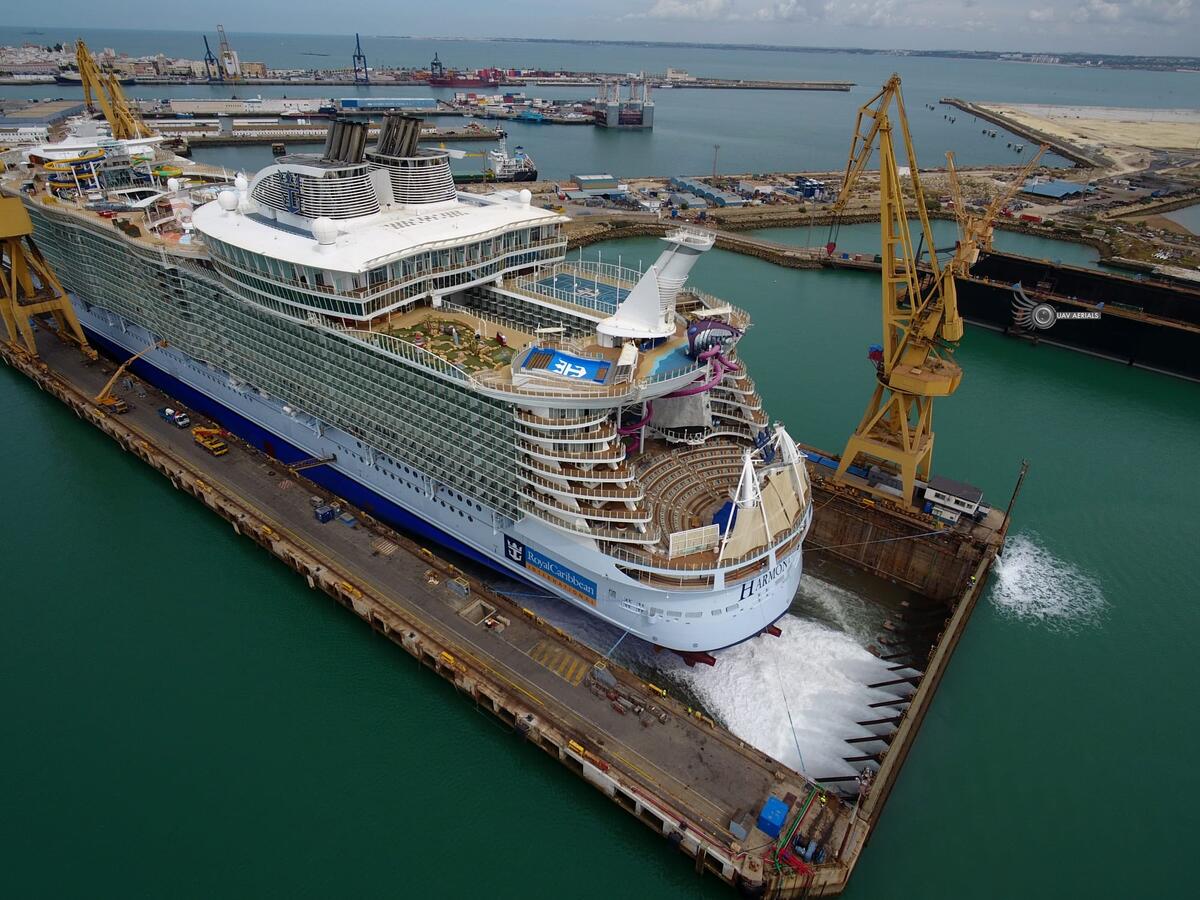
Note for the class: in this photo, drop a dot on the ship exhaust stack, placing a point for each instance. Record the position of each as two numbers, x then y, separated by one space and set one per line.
649 310
398 135
346 142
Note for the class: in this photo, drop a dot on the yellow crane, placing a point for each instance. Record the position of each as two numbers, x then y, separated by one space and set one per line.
975 230
116 404
914 363
106 91
30 288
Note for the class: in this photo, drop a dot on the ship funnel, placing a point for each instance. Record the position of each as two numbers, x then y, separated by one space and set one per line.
398 135
675 263
346 142
649 309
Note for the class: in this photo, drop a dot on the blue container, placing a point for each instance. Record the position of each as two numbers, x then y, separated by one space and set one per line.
323 514
773 815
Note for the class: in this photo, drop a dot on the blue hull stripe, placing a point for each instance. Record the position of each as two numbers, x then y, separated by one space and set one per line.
273 445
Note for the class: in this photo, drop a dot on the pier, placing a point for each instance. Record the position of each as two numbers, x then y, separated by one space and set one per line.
672 767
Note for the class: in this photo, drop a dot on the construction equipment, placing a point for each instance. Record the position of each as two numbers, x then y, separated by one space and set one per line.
231 66
210 440
920 312
103 398
30 288
362 75
975 231
104 89
212 68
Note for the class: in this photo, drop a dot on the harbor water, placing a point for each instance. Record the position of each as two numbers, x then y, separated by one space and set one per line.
184 716
758 131
177 701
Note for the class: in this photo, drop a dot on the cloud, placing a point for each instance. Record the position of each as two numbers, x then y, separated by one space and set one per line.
692 10
1041 15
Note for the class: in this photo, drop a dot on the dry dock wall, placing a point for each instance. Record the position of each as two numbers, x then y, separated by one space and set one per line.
554 730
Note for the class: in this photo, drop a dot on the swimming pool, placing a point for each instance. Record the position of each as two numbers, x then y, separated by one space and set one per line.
675 360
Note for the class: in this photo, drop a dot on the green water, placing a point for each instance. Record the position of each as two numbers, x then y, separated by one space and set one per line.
183 717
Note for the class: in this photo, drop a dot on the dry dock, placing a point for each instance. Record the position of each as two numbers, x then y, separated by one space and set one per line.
677 771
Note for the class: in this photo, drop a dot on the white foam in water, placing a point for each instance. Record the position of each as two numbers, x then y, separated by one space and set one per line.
823 672
1034 585
824 675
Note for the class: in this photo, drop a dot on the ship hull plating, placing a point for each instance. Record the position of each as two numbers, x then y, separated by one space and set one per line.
537 554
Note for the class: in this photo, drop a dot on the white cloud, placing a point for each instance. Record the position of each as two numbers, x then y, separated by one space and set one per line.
788 20
693 10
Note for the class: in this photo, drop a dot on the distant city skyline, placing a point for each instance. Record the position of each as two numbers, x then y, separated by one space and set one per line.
1138 27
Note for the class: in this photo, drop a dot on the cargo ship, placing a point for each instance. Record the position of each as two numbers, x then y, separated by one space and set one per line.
436 360
440 76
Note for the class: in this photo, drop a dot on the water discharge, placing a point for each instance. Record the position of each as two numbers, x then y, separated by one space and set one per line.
814 678
1034 585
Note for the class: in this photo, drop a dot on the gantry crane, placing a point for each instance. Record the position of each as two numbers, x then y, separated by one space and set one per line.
106 91
116 404
30 288
914 364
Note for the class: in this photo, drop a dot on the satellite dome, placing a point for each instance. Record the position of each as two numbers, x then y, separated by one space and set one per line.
325 230
526 197
228 200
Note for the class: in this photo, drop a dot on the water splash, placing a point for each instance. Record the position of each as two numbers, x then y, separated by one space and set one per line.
1034 585
823 673
822 670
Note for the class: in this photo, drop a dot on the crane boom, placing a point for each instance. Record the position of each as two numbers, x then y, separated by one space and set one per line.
103 395
104 90
975 232
920 310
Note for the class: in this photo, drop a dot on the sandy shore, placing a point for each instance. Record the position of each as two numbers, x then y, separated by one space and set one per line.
1110 127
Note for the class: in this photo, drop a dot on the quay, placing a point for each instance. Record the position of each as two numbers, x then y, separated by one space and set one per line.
670 766
266 134
1065 149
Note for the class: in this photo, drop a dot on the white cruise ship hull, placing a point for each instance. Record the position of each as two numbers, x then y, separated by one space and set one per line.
558 563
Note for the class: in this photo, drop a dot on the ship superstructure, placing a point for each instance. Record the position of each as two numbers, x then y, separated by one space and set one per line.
588 428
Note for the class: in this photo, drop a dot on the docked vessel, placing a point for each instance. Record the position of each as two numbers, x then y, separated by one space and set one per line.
440 76
438 362
502 167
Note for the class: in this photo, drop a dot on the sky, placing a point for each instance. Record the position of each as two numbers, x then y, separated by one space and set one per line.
1101 26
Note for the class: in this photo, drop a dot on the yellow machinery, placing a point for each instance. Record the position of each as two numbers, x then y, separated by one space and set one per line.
975 231
209 439
920 313
106 90
30 286
116 404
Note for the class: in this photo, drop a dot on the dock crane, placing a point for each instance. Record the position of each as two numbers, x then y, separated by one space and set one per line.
28 285
914 364
212 68
115 404
103 89
975 231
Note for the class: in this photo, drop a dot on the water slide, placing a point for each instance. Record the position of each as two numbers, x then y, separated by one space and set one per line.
66 171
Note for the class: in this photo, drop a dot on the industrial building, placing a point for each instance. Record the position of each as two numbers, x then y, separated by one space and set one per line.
1056 189
24 121
715 196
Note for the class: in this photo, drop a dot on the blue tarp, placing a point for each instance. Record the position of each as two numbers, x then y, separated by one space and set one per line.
725 516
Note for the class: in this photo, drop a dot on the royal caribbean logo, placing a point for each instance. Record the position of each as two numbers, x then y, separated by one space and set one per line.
551 570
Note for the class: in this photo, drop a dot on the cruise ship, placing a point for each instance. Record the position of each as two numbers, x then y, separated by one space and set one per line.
440 363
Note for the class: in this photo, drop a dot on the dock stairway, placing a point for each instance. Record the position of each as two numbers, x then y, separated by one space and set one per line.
312 462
